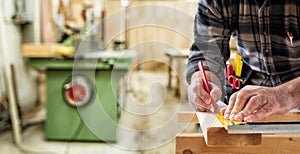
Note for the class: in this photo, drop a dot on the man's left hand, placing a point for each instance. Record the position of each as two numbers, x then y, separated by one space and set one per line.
254 103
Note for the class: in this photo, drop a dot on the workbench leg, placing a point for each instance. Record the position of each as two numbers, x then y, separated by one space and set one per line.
178 85
170 72
13 110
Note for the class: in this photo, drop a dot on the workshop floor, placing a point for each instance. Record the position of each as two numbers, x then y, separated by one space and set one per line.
148 123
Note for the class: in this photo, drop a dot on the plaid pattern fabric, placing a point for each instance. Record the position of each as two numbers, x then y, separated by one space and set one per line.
262 34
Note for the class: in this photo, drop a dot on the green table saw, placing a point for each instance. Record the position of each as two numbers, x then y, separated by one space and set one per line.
82 95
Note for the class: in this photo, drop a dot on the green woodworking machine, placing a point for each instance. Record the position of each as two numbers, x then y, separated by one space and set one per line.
83 95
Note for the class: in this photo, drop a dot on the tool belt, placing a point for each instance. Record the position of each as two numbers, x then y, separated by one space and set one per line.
237 79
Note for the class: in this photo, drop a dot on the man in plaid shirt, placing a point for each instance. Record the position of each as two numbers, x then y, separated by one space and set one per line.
268 37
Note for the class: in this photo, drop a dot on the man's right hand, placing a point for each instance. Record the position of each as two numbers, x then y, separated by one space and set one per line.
199 99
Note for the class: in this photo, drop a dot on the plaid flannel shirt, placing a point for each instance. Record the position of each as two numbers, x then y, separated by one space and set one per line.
261 33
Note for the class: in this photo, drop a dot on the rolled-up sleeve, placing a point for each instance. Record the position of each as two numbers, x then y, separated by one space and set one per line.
211 38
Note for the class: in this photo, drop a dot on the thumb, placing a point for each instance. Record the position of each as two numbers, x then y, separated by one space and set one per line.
215 92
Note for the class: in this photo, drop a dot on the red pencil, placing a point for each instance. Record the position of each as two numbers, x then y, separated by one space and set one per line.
204 77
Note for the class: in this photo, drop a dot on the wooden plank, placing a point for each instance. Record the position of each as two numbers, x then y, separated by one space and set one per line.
219 141
290 116
218 137
43 50
215 134
187 143
38 50
187 117
208 121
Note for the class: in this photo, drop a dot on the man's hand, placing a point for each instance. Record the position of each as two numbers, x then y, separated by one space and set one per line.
199 99
253 103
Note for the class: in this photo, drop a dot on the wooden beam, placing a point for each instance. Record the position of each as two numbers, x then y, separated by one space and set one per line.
219 141
191 117
218 137
45 50
215 134
187 117
187 143
291 116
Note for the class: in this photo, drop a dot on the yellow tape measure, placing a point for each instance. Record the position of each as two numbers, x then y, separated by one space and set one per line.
226 122
238 65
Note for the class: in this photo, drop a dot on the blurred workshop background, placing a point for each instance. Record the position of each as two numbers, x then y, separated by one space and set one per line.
93 76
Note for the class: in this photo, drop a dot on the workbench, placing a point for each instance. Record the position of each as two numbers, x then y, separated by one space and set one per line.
221 142
178 55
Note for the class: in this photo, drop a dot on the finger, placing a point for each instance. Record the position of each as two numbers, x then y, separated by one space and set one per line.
263 112
201 104
242 98
215 93
194 106
203 94
230 105
197 103
213 105
193 100
194 95
253 104
222 110
197 108
198 89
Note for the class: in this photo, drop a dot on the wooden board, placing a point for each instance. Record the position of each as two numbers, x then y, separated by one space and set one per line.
191 117
217 136
187 143
187 117
44 50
